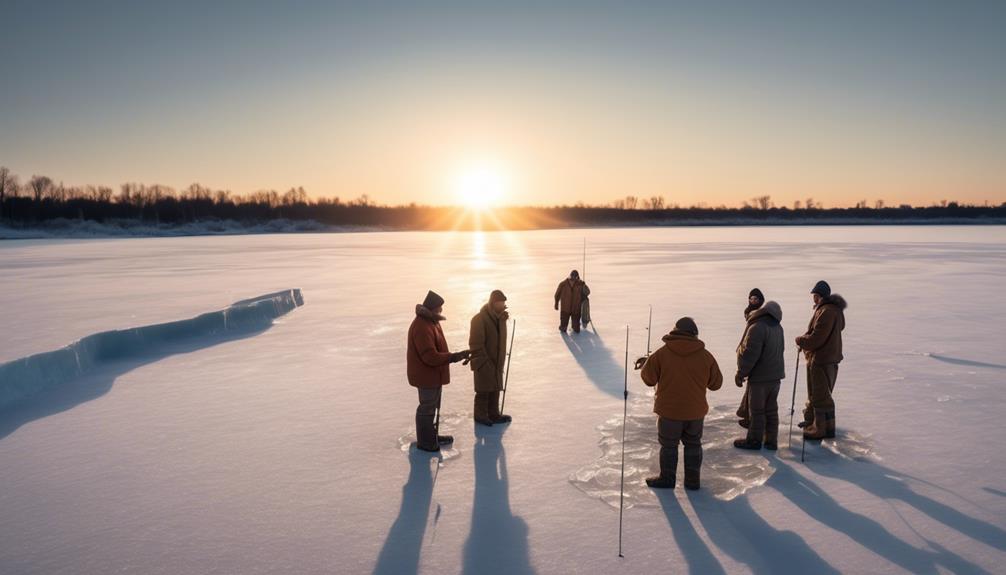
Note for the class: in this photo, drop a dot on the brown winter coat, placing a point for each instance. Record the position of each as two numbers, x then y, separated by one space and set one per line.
822 343
427 359
487 342
682 370
760 353
569 295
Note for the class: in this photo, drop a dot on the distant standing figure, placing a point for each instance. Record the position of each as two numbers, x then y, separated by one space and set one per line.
682 370
822 345
755 301
428 368
487 341
760 361
569 298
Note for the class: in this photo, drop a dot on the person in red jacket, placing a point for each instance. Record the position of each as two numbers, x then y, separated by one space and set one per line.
428 368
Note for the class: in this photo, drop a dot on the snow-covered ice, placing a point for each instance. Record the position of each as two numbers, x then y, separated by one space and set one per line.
282 450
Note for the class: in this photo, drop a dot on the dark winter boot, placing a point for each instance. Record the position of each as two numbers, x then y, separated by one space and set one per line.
771 441
494 409
445 439
660 482
426 434
829 424
817 430
482 409
746 443
692 479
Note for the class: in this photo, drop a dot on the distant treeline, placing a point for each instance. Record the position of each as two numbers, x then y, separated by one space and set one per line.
40 200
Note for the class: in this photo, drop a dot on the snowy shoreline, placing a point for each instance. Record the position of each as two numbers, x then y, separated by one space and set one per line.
75 229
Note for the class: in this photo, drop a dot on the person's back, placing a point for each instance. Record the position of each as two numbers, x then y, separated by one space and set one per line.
682 370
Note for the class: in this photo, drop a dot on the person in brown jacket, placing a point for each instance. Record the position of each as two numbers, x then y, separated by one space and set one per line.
682 370
755 300
427 361
822 346
569 300
487 342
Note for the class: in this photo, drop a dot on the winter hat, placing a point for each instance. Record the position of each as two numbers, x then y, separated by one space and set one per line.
822 289
686 325
574 274
497 295
432 301
757 293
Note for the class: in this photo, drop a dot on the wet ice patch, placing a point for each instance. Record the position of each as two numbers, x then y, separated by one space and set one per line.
726 471
448 423
852 445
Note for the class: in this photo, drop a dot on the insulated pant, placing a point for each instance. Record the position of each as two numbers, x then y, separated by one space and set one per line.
672 431
764 411
487 405
564 318
426 433
820 386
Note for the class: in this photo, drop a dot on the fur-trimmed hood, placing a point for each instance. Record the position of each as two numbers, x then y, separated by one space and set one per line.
835 300
770 309
428 314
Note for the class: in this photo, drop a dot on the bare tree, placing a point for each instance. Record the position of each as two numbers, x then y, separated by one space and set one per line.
657 203
7 181
797 205
810 203
631 202
40 186
760 202
879 205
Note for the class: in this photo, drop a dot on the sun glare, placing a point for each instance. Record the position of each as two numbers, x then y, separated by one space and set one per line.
480 186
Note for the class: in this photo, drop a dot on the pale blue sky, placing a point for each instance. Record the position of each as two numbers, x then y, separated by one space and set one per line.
710 101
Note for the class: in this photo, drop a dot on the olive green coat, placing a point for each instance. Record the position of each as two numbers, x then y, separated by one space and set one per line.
487 342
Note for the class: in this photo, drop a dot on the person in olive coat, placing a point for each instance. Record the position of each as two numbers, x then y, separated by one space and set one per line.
487 342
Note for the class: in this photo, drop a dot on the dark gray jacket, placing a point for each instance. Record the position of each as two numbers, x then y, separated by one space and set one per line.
760 353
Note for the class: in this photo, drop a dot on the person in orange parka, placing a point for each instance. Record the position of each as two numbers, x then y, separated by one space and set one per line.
428 368
682 370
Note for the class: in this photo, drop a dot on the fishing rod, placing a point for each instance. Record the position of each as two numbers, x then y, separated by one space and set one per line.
649 325
625 412
509 356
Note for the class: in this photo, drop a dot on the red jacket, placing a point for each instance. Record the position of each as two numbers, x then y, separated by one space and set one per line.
427 359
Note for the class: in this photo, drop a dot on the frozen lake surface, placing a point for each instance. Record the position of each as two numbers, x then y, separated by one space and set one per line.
285 449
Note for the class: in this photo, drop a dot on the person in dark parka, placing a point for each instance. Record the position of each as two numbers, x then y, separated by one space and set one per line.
755 301
428 368
760 362
487 342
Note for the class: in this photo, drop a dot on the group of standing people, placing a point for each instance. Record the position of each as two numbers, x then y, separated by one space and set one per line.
428 362
682 370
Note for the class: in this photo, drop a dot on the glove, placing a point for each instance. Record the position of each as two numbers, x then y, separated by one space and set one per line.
739 380
641 361
799 341
460 355
557 306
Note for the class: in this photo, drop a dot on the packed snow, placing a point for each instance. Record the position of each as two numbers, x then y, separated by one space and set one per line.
286 447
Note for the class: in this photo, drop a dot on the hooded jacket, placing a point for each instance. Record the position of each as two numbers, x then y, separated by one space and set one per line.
760 353
487 342
682 370
822 343
570 294
427 359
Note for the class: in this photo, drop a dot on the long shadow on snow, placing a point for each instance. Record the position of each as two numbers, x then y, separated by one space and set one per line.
816 503
402 548
762 547
966 362
696 554
69 394
596 361
497 542
892 485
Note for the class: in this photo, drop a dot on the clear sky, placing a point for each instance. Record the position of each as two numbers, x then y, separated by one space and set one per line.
553 103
